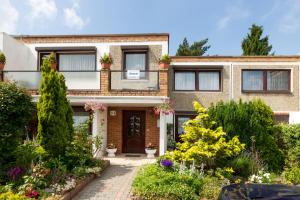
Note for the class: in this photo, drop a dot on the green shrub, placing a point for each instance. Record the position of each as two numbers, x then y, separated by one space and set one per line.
153 182
12 196
106 58
52 58
204 144
55 115
28 153
288 137
246 164
253 123
211 187
80 152
16 110
165 59
292 175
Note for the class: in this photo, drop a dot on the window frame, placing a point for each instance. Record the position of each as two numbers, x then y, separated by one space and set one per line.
265 81
64 52
197 71
189 114
126 51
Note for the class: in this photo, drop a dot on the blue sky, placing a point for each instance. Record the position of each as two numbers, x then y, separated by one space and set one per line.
224 23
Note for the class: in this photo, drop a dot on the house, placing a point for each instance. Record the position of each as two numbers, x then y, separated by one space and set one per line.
129 121
209 79
135 84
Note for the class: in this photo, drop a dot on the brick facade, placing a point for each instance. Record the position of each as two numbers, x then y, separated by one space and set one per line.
115 129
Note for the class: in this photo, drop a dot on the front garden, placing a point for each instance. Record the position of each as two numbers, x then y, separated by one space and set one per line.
48 162
234 142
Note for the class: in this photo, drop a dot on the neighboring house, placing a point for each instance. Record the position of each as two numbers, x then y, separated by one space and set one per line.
129 121
209 79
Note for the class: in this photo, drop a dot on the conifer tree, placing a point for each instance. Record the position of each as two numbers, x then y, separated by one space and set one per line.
254 44
198 48
55 116
205 144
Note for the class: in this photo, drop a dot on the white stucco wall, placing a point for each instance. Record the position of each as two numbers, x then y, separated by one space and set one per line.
18 55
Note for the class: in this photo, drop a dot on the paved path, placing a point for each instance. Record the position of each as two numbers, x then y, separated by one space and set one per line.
115 182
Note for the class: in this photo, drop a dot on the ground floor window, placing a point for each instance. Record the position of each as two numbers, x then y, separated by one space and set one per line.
81 116
281 118
180 119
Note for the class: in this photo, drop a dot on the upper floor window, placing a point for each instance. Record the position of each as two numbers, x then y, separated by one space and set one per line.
135 60
72 60
202 80
266 80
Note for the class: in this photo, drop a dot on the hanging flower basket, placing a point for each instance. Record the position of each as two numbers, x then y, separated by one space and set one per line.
165 108
94 105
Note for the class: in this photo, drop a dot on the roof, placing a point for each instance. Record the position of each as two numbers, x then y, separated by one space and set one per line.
91 35
275 58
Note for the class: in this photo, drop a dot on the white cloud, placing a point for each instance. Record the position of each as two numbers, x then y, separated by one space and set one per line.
42 9
72 18
232 13
9 17
290 21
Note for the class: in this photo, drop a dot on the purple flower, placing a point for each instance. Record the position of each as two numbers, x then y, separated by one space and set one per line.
166 163
13 173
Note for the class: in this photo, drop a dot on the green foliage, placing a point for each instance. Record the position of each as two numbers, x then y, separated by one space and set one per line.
165 59
2 58
28 153
16 110
292 175
80 152
55 115
211 188
52 58
254 44
288 137
198 48
246 164
253 123
106 58
205 144
153 182
12 196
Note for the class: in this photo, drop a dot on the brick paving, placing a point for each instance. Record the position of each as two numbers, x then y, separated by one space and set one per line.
115 182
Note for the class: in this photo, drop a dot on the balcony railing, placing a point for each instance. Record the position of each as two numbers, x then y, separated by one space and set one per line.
129 80
75 80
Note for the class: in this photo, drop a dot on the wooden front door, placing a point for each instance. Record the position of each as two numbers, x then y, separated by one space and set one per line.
134 131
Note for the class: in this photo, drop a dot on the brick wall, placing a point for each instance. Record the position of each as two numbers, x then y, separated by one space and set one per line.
115 131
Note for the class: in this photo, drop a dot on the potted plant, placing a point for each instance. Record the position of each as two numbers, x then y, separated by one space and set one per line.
150 150
106 61
164 61
52 60
2 61
111 150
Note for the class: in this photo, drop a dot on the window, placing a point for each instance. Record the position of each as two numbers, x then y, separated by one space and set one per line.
72 60
180 120
209 81
266 80
184 80
81 116
77 62
135 61
200 80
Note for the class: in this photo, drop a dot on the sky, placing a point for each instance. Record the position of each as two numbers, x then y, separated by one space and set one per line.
224 22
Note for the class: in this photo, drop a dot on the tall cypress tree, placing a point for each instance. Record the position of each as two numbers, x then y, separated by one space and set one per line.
55 117
254 44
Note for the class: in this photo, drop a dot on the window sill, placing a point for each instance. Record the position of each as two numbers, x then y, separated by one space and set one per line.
265 92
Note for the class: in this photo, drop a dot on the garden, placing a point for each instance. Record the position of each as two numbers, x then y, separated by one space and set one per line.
233 142
48 161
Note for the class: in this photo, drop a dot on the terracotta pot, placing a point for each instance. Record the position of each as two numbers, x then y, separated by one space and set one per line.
105 65
2 66
54 66
164 65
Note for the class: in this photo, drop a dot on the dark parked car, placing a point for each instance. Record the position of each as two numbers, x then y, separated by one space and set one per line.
260 191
